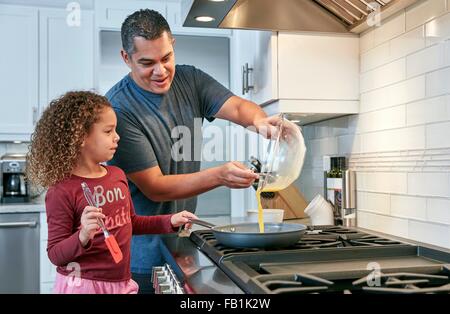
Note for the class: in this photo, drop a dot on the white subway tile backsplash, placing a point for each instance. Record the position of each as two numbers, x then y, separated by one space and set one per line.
309 132
348 144
375 57
437 135
352 123
385 75
317 177
429 110
408 207
430 233
382 182
438 82
423 12
366 41
438 29
385 224
325 146
390 118
438 210
339 126
394 140
404 110
447 53
429 184
310 192
322 130
317 163
374 202
410 42
427 60
400 93
307 176
313 176
390 29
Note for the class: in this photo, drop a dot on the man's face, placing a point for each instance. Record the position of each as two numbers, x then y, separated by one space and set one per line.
153 63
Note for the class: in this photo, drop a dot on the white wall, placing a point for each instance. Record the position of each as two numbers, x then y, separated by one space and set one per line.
399 144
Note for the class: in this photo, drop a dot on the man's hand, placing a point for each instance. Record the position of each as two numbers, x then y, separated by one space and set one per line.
235 175
268 127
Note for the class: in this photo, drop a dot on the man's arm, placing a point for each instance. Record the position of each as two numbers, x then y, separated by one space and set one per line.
159 187
247 114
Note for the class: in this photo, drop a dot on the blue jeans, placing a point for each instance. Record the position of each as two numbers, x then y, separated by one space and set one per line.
144 282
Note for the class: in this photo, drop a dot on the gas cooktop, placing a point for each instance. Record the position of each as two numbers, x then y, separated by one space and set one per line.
332 259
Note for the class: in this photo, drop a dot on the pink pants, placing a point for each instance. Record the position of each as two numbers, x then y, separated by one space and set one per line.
71 285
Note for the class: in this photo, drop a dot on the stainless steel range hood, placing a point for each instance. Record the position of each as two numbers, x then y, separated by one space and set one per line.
329 16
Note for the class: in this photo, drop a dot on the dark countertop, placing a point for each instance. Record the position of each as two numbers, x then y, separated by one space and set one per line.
32 207
35 205
198 272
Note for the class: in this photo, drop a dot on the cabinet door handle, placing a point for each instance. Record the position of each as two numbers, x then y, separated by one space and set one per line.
30 224
243 80
247 72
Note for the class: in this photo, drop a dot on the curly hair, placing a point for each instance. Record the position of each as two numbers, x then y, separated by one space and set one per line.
56 142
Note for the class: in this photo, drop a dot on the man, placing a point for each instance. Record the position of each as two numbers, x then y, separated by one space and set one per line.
150 102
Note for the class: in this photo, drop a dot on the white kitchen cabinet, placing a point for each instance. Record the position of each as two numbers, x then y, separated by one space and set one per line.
66 54
242 61
19 68
47 271
314 66
310 76
265 67
110 14
50 57
253 77
255 65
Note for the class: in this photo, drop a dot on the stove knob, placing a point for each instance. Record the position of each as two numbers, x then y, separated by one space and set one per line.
165 288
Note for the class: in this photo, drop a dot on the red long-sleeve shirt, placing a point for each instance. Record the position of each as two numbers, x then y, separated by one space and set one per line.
65 203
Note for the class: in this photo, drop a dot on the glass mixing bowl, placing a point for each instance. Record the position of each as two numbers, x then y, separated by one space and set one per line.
284 158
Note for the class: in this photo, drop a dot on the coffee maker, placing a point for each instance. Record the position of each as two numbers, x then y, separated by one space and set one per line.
14 186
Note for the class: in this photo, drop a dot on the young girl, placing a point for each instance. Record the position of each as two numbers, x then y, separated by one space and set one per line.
75 134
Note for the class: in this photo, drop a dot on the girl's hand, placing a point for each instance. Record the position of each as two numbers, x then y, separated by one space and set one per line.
182 218
89 223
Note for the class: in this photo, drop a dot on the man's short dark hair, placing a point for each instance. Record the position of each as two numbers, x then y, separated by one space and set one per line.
145 23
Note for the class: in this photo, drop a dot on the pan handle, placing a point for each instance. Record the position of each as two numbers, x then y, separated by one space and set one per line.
202 223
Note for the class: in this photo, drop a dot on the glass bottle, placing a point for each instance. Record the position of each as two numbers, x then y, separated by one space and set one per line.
333 171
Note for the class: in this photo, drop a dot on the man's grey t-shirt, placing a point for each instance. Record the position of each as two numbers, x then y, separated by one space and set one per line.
146 123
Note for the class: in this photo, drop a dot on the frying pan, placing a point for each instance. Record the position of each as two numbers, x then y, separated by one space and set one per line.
247 235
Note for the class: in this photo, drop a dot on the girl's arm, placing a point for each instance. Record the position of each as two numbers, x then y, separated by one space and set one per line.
63 245
158 224
150 224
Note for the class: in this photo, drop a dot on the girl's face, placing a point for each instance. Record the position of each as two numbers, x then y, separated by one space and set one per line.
101 142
